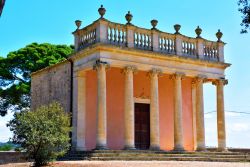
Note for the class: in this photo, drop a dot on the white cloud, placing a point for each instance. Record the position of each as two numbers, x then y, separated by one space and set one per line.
5 133
232 114
240 127
208 116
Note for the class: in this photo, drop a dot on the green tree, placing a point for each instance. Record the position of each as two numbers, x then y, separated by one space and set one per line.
6 147
244 8
43 133
16 68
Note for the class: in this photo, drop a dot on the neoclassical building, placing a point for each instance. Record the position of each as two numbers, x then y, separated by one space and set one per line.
136 88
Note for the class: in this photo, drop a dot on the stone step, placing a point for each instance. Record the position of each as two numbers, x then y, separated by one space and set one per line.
152 155
169 159
124 155
153 152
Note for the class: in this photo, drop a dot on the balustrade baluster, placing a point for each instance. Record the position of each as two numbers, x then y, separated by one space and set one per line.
140 35
115 35
169 45
188 46
119 35
144 40
173 46
150 42
138 40
149 45
147 41
165 44
109 33
123 36
194 49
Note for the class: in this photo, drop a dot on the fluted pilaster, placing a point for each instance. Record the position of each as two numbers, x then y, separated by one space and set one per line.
79 111
194 113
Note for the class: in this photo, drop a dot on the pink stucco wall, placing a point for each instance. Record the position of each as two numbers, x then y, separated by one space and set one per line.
115 108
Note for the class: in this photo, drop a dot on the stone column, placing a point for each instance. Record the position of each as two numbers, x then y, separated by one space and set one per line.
154 110
200 127
221 114
129 114
79 111
178 128
101 115
194 113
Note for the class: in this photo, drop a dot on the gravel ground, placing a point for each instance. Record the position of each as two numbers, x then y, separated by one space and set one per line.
135 164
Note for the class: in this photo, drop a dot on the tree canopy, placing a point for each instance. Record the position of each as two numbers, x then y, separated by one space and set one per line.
16 68
244 8
42 133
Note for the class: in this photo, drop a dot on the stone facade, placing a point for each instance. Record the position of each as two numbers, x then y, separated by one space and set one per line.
52 84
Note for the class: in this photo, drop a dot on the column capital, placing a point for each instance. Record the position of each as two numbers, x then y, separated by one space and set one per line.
100 64
199 79
177 75
220 82
79 74
155 72
128 69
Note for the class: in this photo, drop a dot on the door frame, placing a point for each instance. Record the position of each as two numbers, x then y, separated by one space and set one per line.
143 101
140 100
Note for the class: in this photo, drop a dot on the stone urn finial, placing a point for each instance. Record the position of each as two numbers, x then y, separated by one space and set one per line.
129 17
198 31
78 23
219 34
177 28
102 11
154 24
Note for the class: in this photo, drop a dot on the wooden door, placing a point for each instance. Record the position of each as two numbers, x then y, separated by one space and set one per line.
142 127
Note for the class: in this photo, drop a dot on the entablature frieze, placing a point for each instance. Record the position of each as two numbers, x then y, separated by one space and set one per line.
148 61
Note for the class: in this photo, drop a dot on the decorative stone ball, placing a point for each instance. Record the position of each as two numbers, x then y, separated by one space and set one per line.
219 34
102 11
154 24
78 23
177 28
198 31
129 17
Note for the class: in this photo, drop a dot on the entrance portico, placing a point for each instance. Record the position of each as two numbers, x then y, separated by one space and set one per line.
168 96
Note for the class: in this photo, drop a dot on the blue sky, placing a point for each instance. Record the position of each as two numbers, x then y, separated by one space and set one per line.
28 21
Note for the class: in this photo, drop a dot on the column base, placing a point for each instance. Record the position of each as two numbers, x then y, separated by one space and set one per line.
201 149
178 149
222 150
101 148
154 148
129 148
80 149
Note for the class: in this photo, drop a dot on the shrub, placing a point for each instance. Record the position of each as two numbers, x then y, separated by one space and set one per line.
43 133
